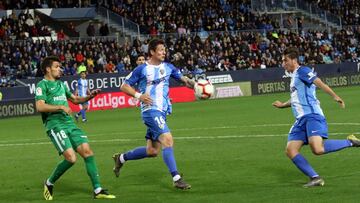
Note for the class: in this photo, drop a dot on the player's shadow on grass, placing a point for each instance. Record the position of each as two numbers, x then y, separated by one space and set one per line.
283 176
68 188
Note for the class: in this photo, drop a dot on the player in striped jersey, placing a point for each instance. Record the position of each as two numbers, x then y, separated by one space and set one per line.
310 126
82 90
152 79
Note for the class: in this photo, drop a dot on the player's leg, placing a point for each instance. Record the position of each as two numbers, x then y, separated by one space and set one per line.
140 152
151 150
83 111
167 143
62 143
296 139
80 142
77 115
317 131
293 152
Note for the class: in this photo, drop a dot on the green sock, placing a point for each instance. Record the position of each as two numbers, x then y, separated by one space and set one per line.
92 171
60 169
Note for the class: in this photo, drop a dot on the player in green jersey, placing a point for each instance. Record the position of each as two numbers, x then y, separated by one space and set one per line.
51 100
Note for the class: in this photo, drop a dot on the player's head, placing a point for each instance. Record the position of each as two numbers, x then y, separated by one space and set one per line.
290 59
51 67
83 74
157 49
140 59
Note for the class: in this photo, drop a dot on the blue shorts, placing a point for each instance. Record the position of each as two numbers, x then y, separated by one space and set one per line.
307 126
156 124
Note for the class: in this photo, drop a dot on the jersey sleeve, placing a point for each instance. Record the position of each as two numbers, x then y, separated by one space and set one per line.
175 73
306 75
134 76
40 91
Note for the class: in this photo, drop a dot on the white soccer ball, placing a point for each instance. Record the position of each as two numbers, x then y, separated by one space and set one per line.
203 89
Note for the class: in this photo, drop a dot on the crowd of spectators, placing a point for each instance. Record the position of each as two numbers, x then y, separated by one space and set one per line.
22 26
182 16
228 49
218 52
31 4
348 10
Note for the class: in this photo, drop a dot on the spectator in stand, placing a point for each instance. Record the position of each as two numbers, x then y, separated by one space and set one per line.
69 70
110 67
79 58
104 29
61 35
90 30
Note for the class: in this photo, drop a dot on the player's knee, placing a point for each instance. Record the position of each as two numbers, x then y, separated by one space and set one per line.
291 153
71 158
318 151
87 153
152 152
167 141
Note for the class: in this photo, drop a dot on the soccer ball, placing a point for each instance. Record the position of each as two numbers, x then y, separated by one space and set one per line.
203 89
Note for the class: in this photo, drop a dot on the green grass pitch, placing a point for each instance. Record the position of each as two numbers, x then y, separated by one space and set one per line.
230 150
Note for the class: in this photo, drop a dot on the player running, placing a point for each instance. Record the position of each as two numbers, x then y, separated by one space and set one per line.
152 79
310 126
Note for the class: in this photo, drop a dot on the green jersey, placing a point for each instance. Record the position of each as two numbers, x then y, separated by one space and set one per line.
54 93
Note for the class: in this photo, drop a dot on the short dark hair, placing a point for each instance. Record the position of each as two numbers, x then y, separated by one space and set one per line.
141 55
47 62
154 43
291 52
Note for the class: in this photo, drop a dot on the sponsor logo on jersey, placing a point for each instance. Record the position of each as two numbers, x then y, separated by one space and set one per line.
60 98
38 91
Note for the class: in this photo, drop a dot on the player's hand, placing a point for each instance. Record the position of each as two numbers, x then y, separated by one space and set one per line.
340 101
94 93
146 99
278 104
66 109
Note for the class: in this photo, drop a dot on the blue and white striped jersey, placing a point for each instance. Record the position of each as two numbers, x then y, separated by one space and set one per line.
303 93
154 80
82 87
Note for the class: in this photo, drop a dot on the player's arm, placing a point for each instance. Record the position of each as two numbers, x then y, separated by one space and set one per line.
42 107
127 89
320 84
188 82
78 100
280 105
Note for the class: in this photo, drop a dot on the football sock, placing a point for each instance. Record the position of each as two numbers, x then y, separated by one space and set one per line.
304 166
335 145
60 169
169 159
137 153
92 171
82 111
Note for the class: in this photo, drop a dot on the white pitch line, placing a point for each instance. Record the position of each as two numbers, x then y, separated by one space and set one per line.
181 129
176 138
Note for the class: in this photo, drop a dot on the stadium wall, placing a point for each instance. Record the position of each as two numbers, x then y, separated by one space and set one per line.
19 101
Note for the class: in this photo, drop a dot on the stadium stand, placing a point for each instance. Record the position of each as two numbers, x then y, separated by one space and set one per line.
228 45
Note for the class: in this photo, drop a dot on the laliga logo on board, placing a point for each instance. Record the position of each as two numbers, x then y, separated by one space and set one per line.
133 101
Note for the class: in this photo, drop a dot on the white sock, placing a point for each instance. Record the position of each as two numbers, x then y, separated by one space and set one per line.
97 190
122 160
176 178
48 183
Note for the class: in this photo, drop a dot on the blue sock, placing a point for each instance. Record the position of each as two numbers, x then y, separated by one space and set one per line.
304 166
82 111
335 145
137 153
169 159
